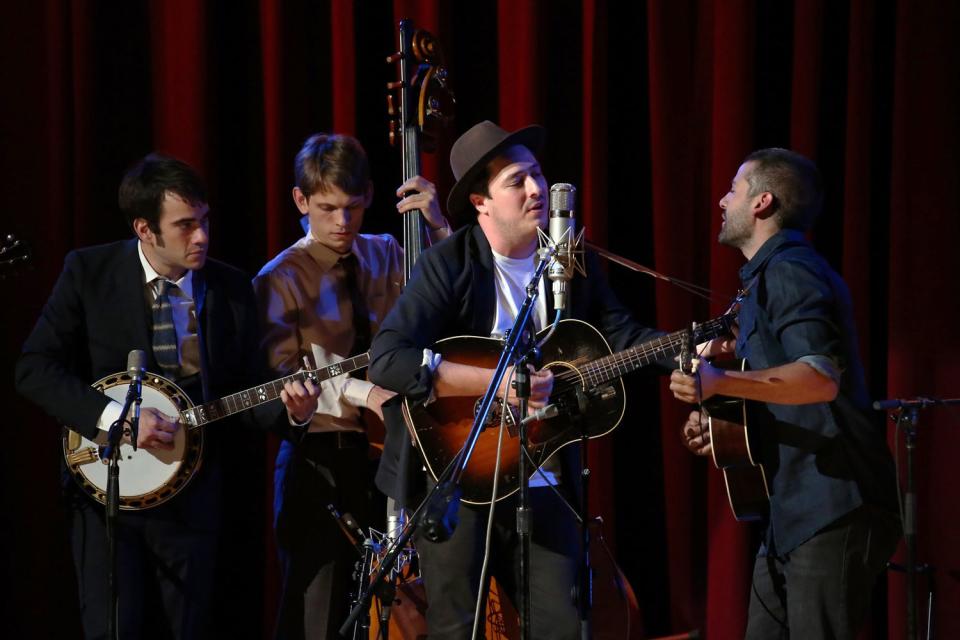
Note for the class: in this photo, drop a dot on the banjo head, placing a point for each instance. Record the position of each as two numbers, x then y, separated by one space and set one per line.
148 477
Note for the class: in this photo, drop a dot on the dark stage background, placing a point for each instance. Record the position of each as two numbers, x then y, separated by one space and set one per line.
650 107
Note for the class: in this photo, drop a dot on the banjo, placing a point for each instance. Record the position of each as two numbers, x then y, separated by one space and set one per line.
150 477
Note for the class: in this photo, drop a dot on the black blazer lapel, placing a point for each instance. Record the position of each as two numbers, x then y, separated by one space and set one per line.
199 279
483 295
135 314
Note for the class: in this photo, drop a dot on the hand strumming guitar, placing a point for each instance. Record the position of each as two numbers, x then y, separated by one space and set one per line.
696 435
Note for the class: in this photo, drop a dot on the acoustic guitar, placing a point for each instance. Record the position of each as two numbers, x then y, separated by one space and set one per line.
586 387
733 450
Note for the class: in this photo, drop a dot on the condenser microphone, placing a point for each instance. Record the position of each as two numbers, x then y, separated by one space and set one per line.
562 231
136 367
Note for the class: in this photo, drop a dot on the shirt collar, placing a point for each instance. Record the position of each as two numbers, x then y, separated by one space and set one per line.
772 246
185 283
326 257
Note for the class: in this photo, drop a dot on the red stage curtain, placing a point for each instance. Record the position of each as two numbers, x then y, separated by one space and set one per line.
650 108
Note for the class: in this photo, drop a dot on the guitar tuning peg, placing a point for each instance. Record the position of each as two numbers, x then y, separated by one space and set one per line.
391 110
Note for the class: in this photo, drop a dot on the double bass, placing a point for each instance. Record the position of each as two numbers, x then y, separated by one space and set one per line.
420 105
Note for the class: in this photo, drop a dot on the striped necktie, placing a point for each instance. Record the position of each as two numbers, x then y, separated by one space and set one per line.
164 331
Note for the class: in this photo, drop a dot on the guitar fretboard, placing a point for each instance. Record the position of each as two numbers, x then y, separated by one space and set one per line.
613 366
254 396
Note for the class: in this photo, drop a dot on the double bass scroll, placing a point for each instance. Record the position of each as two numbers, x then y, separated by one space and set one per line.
426 108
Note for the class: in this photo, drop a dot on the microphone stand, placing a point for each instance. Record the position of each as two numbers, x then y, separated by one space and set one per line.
112 451
366 549
437 513
524 516
585 586
907 418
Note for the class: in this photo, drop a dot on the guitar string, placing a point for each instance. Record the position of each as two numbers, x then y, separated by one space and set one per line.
602 366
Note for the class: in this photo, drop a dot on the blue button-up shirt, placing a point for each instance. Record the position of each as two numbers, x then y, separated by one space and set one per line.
824 459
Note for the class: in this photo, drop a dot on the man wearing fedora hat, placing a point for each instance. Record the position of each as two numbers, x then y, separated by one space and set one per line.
473 283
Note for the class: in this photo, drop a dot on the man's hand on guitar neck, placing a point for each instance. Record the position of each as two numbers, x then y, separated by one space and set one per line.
699 386
696 435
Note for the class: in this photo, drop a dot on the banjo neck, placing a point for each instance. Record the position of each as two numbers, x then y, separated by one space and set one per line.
202 414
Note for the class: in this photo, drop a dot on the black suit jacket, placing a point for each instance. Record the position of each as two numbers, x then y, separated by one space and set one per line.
452 292
97 313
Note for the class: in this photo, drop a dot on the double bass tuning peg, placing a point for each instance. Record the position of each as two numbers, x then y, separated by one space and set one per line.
394 132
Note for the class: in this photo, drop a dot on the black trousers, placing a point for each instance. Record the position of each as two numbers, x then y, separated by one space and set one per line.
822 588
316 558
165 572
451 570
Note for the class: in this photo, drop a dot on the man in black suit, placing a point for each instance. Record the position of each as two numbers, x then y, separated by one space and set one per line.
201 331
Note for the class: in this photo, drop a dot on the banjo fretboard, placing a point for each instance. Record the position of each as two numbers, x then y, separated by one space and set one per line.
254 396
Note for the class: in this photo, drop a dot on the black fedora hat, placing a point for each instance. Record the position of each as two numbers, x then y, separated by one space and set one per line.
471 152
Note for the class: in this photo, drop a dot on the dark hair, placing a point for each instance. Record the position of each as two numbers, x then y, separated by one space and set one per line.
481 181
794 181
146 184
331 160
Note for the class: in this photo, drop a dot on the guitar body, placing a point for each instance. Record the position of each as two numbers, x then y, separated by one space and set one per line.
442 427
745 478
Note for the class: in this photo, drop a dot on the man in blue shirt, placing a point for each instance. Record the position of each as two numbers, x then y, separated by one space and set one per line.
832 523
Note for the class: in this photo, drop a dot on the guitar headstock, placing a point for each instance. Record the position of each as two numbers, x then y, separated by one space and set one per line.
426 100
688 349
15 254
735 305
700 333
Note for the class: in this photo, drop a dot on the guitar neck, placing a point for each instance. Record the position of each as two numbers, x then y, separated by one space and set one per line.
255 396
665 347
